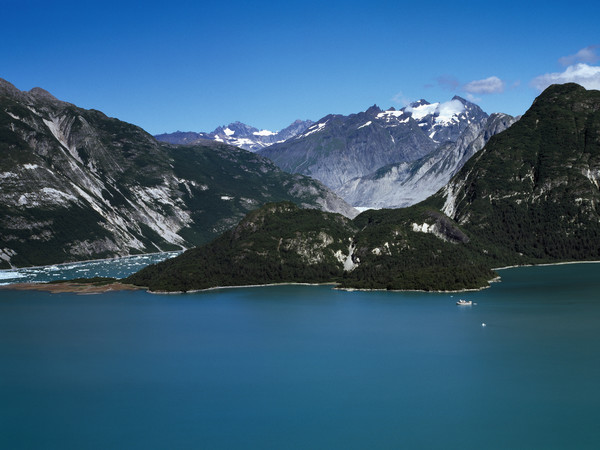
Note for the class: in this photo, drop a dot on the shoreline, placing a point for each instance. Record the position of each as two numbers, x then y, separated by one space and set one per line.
215 288
72 287
90 288
547 264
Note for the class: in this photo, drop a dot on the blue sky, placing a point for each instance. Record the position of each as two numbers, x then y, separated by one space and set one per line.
193 66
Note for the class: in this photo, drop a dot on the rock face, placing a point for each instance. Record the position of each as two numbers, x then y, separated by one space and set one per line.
389 158
404 184
75 184
239 135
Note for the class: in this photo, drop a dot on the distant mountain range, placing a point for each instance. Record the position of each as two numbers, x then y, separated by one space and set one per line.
76 184
373 159
531 195
237 134
391 158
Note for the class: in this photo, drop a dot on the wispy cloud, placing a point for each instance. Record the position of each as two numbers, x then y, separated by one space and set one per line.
585 55
583 74
473 98
491 85
448 82
400 99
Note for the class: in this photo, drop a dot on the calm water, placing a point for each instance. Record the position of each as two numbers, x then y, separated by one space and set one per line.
301 367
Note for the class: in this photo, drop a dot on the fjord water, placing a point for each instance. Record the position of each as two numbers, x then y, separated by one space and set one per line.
116 268
288 367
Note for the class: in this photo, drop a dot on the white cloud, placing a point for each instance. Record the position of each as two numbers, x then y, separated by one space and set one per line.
491 85
586 76
585 55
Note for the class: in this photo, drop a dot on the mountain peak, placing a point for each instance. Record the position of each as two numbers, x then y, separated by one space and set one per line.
40 93
373 110
7 88
460 99
418 103
561 92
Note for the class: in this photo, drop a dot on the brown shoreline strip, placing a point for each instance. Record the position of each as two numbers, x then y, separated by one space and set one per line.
76 288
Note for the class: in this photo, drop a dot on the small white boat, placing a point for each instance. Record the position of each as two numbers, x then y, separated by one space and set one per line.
462 302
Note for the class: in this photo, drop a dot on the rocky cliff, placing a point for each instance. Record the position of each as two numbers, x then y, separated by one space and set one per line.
76 184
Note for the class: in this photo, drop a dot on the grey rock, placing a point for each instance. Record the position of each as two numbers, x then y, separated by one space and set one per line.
76 184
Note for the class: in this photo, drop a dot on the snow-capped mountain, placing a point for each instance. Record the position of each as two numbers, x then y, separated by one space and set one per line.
404 184
337 149
239 135
445 121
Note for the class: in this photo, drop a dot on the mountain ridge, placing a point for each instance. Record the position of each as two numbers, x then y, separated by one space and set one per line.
237 134
76 184
530 196
346 153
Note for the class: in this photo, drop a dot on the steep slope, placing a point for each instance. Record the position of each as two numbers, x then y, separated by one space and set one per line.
404 184
534 189
530 196
239 135
339 148
76 184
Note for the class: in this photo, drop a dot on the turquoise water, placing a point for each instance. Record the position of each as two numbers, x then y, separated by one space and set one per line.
116 268
306 367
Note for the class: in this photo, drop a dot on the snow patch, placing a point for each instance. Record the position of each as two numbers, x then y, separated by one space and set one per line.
226 197
242 141
30 166
393 116
365 125
418 112
229 132
444 113
449 111
314 128
390 113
